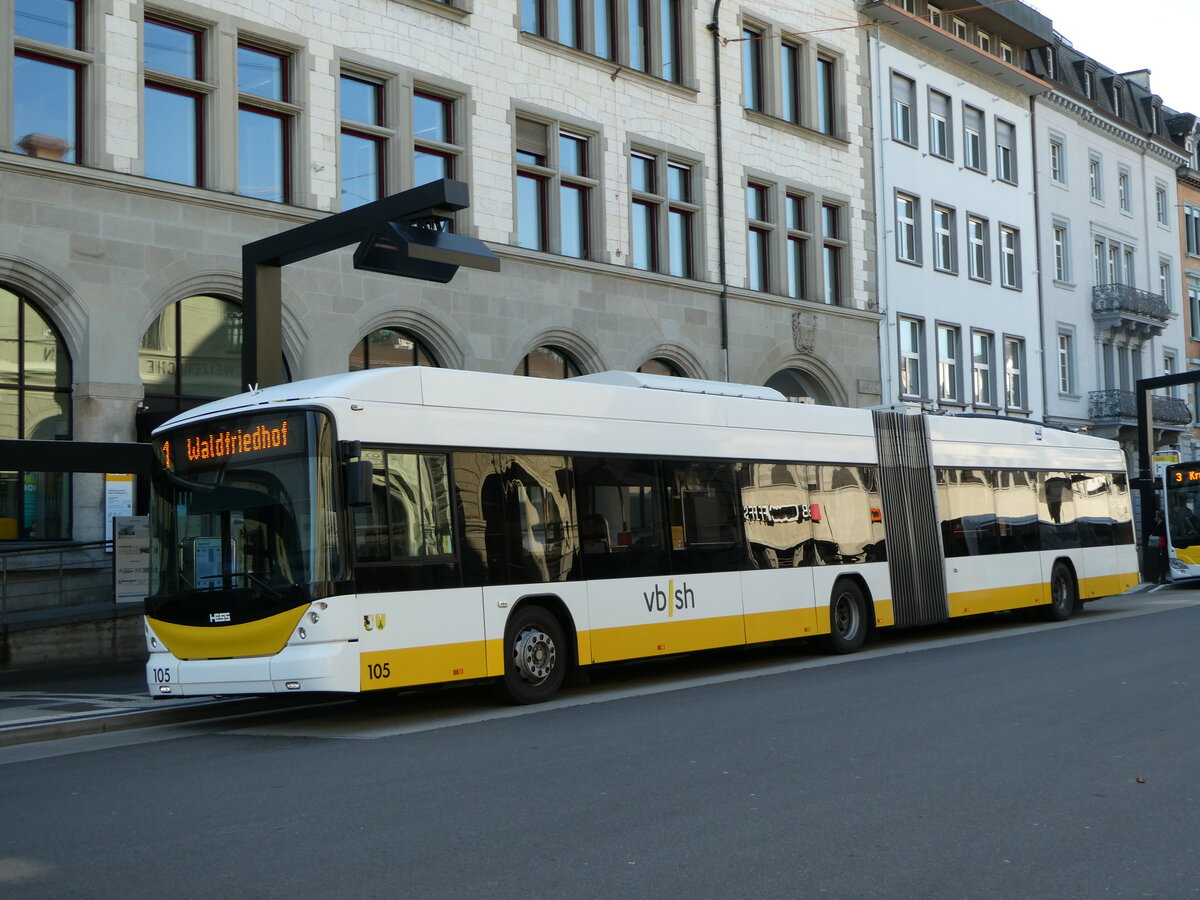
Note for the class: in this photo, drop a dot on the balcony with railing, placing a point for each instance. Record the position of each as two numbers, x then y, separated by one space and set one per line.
1119 307
1120 408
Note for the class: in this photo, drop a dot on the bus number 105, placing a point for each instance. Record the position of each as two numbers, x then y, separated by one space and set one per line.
379 671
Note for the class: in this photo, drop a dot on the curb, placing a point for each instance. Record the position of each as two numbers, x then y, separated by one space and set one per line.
106 723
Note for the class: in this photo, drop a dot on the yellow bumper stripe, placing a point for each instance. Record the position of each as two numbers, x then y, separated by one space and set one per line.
263 637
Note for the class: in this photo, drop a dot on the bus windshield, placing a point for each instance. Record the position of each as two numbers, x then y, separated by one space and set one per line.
246 504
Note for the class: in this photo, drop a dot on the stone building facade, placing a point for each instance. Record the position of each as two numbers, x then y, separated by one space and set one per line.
652 207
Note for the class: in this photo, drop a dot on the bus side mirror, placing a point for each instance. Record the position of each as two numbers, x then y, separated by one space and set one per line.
357 477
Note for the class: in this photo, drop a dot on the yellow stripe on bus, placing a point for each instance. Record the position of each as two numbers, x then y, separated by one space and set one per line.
1107 585
659 639
1189 555
423 665
262 637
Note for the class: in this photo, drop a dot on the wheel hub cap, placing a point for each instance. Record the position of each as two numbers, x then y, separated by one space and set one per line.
535 655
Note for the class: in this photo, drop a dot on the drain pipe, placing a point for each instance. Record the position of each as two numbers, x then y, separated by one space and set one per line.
714 29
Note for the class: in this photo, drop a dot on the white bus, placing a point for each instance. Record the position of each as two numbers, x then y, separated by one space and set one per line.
412 526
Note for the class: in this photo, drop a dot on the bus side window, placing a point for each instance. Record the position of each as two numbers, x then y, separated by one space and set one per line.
621 531
776 516
371 522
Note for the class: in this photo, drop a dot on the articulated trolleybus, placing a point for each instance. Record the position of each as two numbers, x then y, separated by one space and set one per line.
413 526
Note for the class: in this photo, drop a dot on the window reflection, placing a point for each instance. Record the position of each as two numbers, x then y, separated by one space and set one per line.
389 347
35 404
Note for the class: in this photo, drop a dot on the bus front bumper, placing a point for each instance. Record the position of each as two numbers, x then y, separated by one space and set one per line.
294 669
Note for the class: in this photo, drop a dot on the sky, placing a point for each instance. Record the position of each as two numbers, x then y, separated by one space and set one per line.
1159 35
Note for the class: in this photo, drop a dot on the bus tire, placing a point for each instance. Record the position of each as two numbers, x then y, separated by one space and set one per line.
536 656
847 617
1063 594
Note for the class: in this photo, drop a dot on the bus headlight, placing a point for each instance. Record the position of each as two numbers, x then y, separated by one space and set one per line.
1179 565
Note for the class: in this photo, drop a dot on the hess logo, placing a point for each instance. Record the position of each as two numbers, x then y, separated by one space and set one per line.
671 599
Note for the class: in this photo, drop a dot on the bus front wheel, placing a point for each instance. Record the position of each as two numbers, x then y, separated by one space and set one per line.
537 656
847 617
1063 595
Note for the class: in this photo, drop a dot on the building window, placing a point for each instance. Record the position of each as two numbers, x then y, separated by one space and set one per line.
1113 261
1170 367
758 238
752 69
1007 53
191 353
362 142
1161 206
554 162
909 6
904 93
1193 292
660 366
833 250
982 361
949 351
977 249
940 142
1164 282
791 85
436 147
973 142
983 40
48 79
1123 198
264 123
798 242
641 34
1062 254
1089 84
1118 99
1050 63
827 107
663 204
548 362
387 348
1191 229
960 28
912 341
945 259
1010 257
173 96
1015 396
1095 180
934 15
1066 362
1058 170
1006 151
907 214
35 404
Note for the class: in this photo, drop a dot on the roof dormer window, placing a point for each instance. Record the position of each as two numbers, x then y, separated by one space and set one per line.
1118 100
1089 85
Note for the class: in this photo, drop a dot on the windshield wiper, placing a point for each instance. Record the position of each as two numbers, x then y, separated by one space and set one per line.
273 593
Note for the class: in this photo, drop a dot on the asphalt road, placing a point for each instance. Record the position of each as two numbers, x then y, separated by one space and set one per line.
986 760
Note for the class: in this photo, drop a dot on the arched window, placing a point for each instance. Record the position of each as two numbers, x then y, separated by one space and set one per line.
660 366
35 404
797 385
192 353
548 362
389 347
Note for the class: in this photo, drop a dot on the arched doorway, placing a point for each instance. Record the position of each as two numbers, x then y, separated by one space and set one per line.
35 404
799 385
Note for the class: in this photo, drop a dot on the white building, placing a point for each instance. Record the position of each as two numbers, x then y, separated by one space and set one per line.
1110 247
956 226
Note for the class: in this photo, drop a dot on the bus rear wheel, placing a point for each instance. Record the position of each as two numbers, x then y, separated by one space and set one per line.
847 617
537 656
1063 594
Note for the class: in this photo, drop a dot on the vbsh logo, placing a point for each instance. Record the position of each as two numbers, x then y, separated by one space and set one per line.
670 600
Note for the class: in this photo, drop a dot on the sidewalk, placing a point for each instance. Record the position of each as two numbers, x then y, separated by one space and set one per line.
46 704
